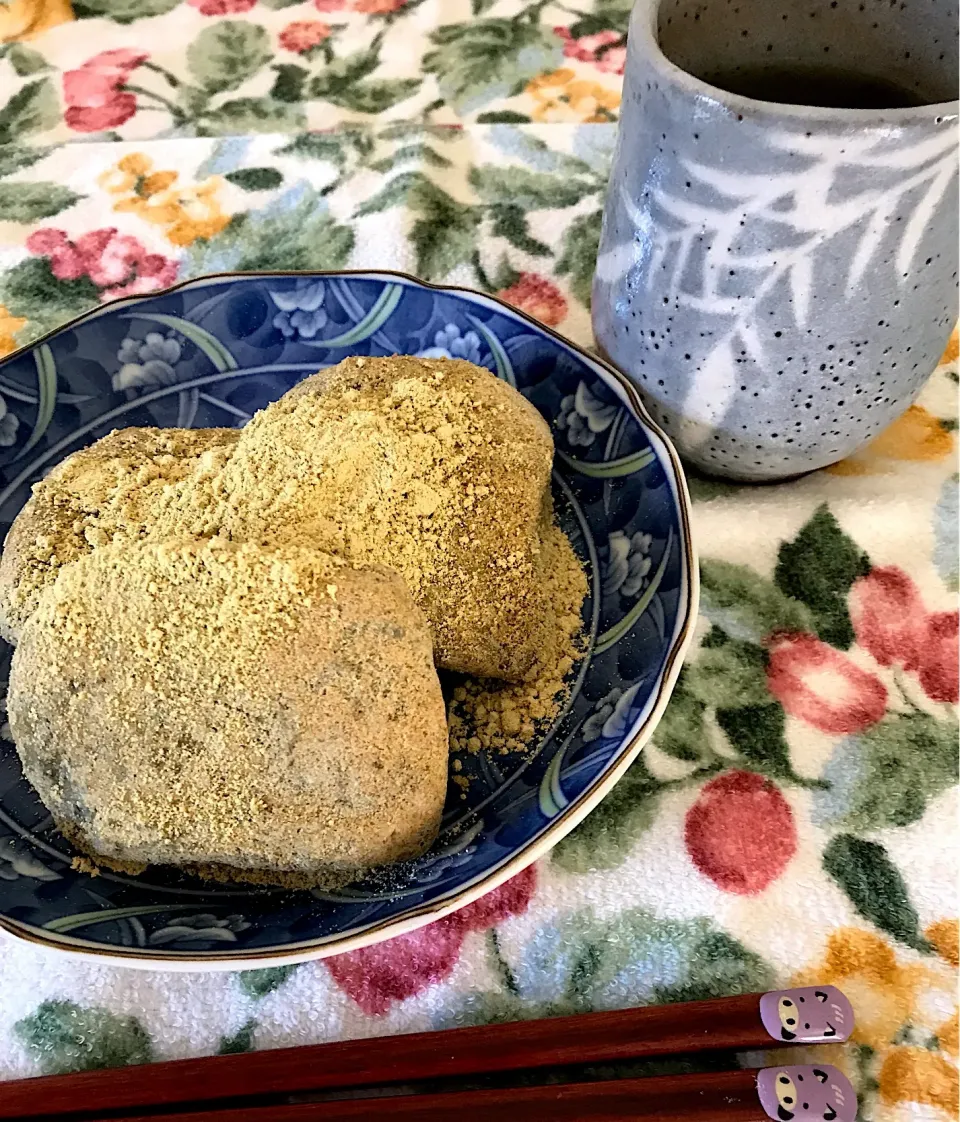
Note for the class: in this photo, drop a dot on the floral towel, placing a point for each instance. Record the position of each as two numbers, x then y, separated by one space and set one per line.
795 818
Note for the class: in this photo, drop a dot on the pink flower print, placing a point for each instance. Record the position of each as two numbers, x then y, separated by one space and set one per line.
939 672
538 297
888 617
377 976
66 262
303 35
740 832
378 7
893 624
116 263
823 687
590 48
222 7
92 92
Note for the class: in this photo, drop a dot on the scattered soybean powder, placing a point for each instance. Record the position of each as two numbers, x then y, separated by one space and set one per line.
484 714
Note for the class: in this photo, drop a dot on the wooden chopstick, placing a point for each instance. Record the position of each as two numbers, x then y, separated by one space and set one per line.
732 1023
725 1096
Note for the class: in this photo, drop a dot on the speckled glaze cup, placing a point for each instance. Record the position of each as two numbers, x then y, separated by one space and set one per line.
778 265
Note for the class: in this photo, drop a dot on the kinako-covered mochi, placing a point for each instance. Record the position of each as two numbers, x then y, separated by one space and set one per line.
270 714
102 493
432 467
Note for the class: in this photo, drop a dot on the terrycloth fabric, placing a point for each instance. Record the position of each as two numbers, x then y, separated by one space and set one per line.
795 818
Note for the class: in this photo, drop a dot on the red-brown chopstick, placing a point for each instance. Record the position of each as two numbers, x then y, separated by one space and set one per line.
725 1096
732 1023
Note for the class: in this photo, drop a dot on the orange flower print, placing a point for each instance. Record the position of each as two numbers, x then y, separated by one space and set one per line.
378 7
21 19
189 213
562 97
945 936
953 349
368 7
135 173
9 326
185 213
917 1075
916 436
303 35
900 1047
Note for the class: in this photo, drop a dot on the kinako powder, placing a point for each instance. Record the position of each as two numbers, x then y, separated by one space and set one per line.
486 715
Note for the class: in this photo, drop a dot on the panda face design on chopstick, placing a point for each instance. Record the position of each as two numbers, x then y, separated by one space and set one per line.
811 1015
806 1093
789 1016
786 1096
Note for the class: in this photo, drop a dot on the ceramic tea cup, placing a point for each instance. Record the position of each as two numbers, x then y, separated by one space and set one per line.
778 263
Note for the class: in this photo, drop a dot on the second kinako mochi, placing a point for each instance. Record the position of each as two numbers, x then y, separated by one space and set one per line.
433 467
110 490
272 714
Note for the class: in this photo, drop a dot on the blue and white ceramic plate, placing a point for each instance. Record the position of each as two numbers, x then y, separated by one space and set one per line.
213 351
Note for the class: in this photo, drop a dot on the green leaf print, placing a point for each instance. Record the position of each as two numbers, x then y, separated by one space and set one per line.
255 179
480 7
403 130
681 730
529 190
338 76
258 983
510 222
27 202
757 733
445 232
746 605
818 567
290 82
298 237
578 256
720 966
885 776
407 153
605 837
317 146
607 15
122 11
408 186
14 157
239 1041
62 1036
33 108
225 54
583 964
444 236
503 117
375 96
478 62
875 887
26 61
709 963
252 114
729 673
